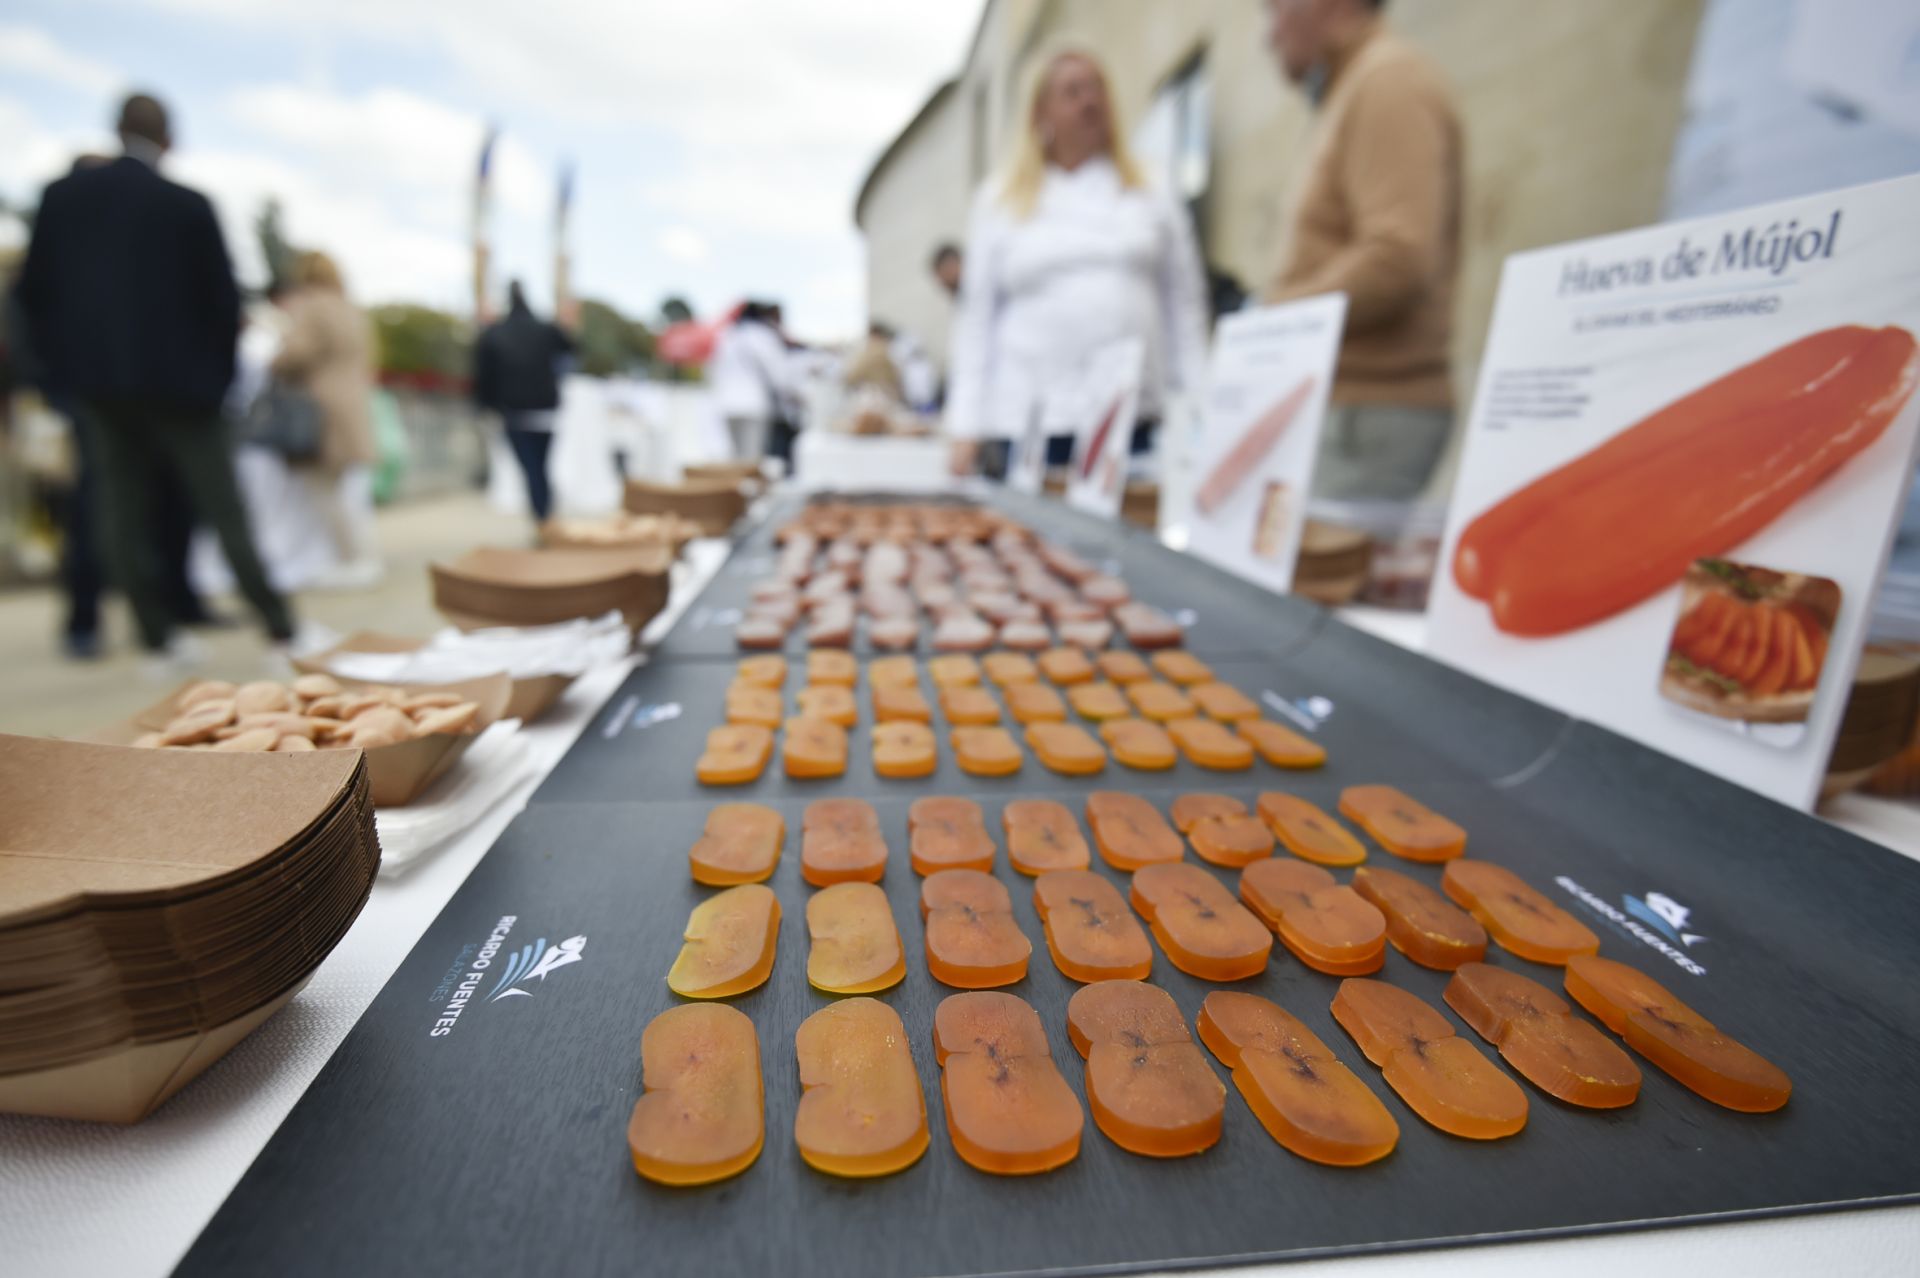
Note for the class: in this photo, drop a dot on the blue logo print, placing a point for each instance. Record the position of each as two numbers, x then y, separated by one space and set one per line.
533 963
1665 915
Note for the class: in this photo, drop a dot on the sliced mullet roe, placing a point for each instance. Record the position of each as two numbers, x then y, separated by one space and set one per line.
840 842
1521 919
1129 831
1004 668
1422 924
1098 701
1281 746
1404 826
1675 1037
1221 830
972 941
1042 836
1307 832
985 752
1204 931
856 947
824 666
1140 744
1091 933
954 670
1182 667
1538 1034
814 748
896 702
1308 1101
1222 701
1147 1081
735 755
1441 1076
1066 748
903 749
749 704
830 701
1123 667
1159 701
892 672
1066 665
728 946
741 844
702 1114
948 834
762 672
862 1112
1009 1111
969 706
1034 703
1327 925
1211 745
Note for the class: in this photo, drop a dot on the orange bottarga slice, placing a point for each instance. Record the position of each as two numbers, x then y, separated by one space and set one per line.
1034 703
1441 1076
1140 744
1223 701
903 749
702 1114
856 947
1098 701
1221 830
762 672
1308 1101
1521 919
1004 668
1210 745
1675 1037
972 941
894 702
1147 1081
954 670
1421 923
1042 836
1402 825
1182 667
1091 933
862 1112
1281 746
749 704
1538 1034
1159 701
1327 925
1066 666
985 752
1009 1111
814 748
968 706
892 672
1129 831
948 834
727 948
741 845
1205 932
1307 832
840 842
1123 667
1066 749
829 701
826 666
1191 809
735 755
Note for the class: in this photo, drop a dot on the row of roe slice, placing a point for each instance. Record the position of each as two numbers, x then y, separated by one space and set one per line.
856 946
1090 932
1325 924
1204 931
972 940
1442 1077
1150 1088
1009 1111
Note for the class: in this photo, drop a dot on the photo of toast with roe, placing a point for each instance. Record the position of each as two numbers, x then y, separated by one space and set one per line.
1750 642
1690 481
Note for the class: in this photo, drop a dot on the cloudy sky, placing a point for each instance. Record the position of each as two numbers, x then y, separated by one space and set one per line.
718 143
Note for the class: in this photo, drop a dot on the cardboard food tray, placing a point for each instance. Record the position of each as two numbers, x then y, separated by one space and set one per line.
554 535
493 586
529 699
715 504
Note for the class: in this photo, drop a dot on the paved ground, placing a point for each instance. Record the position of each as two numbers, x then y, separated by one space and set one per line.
42 693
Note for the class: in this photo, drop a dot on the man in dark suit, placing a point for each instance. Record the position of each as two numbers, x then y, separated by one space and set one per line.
134 313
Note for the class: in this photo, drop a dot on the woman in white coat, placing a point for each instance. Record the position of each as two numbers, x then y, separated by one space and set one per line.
1068 253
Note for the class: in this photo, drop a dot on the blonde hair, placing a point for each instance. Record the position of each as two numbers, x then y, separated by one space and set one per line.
315 269
1020 189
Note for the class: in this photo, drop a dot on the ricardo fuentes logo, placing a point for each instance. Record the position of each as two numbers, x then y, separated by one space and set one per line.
509 970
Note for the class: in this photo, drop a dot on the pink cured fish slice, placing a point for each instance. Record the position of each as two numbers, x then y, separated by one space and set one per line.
1241 460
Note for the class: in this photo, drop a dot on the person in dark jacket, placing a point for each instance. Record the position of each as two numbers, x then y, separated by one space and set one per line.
516 374
130 297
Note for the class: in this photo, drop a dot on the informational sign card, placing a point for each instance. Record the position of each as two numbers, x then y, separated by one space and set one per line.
1682 474
1267 387
1108 408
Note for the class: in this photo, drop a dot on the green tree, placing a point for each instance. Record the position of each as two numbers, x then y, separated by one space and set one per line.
609 342
674 310
420 343
275 251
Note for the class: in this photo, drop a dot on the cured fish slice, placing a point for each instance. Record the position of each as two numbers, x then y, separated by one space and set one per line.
1402 825
968 706
1421 923
735 755
903 748
862 1112
1066 748
1003 668
840 842
1009 1111
830 701
1098 701
1182 667
1123 667
1147 1082
1092 633
1221 830
893 672
898 702
954 670
856 946
1129 831
814 748
754 632
895 633
1308 1101
1159 701
701 1116
728 944
1066 665
1541 1038
1091 933
1683 1043
1139 743
1243 458
985 752
1034 703
762 672
1042 836
1327 925
1521 919
1210 745
741 844
832 667
948 834
1223 701
749 704
1204 931
1441 1076
972 940
1307 832
1281 746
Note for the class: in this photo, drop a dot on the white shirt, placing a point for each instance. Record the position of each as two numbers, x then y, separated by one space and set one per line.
749 367
1094 263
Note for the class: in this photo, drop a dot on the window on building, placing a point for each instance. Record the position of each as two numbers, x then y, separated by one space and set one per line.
1174 139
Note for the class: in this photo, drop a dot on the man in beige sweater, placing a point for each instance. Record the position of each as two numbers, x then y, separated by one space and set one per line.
1375 214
